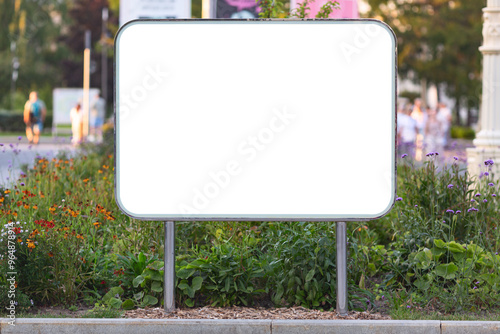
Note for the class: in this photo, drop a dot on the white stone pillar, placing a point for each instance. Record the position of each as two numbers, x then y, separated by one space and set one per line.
487 142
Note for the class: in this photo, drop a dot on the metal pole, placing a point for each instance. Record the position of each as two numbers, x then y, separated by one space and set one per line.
86 85
169 267
341 269
104 55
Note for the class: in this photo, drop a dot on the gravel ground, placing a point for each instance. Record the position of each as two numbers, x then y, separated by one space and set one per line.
293 313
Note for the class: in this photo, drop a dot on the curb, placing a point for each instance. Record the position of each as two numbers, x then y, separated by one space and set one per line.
206 326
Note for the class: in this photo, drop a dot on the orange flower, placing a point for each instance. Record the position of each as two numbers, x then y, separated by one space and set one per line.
35 207
7 191
2 199
97 224
52 210
19 240
86 180
105 167
26 206
51 254
31 244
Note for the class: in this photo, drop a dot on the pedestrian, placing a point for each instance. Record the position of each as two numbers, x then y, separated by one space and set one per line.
433 133
407 131
420 116
444 116
97 114
76 117
34 115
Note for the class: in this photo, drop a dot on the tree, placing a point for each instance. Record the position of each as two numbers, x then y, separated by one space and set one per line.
29 31
438 41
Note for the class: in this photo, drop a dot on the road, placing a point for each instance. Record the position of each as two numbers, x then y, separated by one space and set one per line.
21 153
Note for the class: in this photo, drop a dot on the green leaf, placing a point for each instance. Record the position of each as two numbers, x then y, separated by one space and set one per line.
153 275
157 265
310 275
141 257
424 259
362 282
185 273
439 243
190 292
447 271
138 280
183 285
139 295
197 281
455 247
189 302
226 286
112 293
115 303
149 300
156 286
128 304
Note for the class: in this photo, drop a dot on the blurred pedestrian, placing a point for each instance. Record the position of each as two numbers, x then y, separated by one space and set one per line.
444 116
433 133
407 131
76 117
420 116
97 114
34 115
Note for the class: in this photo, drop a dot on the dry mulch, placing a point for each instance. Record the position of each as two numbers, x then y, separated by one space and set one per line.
293 313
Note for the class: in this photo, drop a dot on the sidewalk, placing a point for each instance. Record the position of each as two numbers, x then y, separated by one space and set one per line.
202 326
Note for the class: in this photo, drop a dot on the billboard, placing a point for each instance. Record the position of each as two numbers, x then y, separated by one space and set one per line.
291 120
64 100
154 9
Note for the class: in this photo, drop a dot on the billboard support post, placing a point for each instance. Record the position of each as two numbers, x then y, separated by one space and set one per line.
341 236
169 267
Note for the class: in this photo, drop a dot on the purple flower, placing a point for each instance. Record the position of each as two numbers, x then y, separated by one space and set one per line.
430 154
450 186
450 211
1 145
458 211
416 206
473 200
477 282
22 184
29 147
11 145
404 156
436 153
496 253
472 209
478 194
474 288
491 184
493 195
456 158
19 138
485 200
408 306
486 173
489 162
480 232
383 297
398 199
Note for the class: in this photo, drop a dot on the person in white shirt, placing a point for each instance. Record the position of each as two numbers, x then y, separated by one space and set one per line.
407 131
444 117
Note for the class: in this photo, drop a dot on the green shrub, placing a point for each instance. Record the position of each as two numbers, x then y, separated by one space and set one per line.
462 132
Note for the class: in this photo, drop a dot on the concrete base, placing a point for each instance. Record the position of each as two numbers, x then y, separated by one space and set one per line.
476 156
202 326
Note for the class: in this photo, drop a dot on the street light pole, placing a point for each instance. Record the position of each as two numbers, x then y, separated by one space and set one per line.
86 85
104 55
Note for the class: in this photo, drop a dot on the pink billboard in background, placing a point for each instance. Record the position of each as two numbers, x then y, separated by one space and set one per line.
348 8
